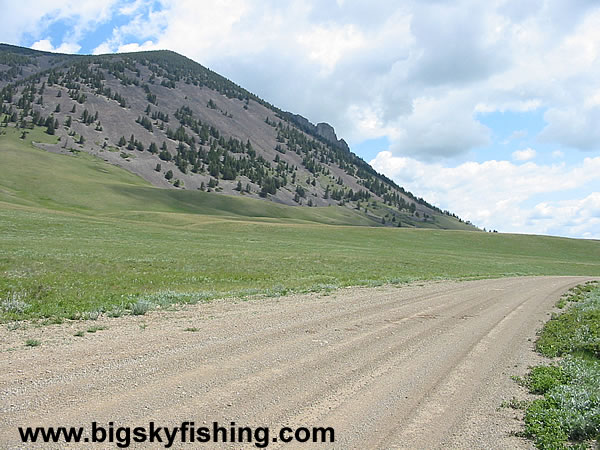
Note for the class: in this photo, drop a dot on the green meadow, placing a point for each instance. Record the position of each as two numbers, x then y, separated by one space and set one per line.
80 237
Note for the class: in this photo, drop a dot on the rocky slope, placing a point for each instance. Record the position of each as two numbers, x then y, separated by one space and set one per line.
179 125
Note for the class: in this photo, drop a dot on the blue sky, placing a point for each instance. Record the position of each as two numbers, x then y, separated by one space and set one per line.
488 109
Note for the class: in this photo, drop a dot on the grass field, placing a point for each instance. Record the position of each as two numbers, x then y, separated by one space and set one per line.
79 236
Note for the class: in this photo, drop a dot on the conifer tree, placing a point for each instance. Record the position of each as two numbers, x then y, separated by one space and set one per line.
50 127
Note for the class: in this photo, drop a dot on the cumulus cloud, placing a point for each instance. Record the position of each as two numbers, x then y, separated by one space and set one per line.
524 155
579 217
502 195
451 48
430 131
573 127
46 46
32 18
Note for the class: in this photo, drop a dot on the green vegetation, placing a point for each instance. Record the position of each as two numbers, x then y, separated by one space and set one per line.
82 238
576 331
32 343
570 407
575 294
140 307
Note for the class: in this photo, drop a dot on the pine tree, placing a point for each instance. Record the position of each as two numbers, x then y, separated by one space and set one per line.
165 155
50 127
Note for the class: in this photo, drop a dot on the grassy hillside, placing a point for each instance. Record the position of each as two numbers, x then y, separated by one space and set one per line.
80 235
180 125
86 184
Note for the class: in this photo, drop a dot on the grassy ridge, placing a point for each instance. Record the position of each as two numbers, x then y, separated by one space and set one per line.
79 235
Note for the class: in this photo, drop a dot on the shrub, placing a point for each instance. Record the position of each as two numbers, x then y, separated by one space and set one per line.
575 331
32 342
569 409
13 303
543 378
140 307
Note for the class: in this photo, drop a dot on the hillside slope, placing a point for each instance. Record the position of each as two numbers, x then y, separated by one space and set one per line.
179 125
89 186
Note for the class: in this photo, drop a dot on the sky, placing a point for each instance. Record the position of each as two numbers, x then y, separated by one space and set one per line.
488 109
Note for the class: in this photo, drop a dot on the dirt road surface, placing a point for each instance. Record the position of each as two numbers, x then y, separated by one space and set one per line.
419 366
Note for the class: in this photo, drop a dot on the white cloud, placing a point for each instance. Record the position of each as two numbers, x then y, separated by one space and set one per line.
32 18
579 217
438 128
135 47
328 44
43 45
573 127
131 8
499 194
46 46
524 155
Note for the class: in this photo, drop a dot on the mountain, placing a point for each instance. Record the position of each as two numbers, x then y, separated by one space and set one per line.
180 125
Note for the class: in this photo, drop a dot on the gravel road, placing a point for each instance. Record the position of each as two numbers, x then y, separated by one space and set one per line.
416 366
